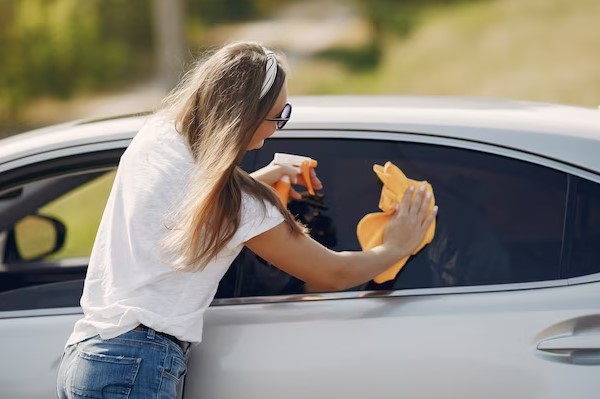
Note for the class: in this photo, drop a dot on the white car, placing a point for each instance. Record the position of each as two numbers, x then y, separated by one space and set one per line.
504 303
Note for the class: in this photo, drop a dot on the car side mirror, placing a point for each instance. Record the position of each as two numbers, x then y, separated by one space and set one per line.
34 237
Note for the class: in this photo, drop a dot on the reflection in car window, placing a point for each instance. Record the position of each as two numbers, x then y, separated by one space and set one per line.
500 219
585 251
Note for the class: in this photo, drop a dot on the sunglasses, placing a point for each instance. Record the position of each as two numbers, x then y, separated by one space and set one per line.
283 118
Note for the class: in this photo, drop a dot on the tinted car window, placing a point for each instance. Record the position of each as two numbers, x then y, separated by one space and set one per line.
47 247
500 219
69 207
585 251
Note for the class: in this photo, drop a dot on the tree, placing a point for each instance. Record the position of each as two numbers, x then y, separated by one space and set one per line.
170 49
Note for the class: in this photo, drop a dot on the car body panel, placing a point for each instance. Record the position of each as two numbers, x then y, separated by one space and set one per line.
411 343
32 346
414 346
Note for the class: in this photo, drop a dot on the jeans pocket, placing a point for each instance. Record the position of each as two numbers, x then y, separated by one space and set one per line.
173 372
175 367
103 376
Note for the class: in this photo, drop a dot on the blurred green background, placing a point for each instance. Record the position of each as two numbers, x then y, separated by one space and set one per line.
67 59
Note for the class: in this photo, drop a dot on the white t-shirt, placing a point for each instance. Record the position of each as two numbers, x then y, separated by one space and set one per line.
128 282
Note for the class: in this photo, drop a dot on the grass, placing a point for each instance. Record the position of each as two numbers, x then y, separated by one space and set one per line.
544 50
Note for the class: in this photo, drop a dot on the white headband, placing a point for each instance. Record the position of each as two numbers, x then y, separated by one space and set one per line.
270 73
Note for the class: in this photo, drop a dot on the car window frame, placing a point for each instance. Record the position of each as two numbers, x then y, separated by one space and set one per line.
34 167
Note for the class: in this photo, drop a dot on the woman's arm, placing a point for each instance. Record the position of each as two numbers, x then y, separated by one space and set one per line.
306 259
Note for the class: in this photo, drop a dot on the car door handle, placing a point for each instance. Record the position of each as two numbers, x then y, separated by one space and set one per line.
571 343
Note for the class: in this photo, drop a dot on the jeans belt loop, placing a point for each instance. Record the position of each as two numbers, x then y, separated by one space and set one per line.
151 333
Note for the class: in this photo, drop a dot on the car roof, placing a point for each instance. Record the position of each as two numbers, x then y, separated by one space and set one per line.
568 134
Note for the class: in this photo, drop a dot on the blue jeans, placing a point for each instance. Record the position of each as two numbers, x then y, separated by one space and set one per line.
136 364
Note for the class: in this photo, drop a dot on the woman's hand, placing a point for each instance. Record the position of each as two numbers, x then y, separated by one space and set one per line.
410 222
272 173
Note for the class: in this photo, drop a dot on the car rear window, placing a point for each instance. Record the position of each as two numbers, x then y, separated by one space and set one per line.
585 251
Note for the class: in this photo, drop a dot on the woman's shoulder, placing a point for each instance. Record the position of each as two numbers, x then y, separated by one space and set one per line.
159 125
159 139
255 208
256 216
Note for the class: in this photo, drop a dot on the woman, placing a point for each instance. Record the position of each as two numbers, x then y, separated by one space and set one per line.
180 211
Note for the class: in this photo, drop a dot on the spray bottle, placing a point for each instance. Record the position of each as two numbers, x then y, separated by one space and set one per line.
302 165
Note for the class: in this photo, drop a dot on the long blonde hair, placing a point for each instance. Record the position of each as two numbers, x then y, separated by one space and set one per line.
217 109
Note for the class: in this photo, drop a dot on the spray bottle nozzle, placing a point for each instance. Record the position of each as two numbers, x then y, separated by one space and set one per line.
302 164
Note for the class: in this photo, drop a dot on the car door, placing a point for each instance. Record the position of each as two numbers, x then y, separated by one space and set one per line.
488 309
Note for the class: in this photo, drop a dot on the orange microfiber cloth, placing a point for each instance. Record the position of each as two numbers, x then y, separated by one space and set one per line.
370 228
